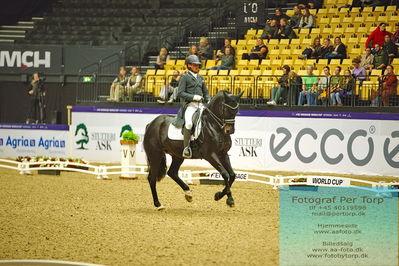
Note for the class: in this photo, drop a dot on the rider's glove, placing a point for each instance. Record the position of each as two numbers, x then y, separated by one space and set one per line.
197 98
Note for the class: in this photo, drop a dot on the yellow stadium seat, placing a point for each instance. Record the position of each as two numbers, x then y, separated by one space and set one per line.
203 72
333 11
339 30
284 41
322 11
367 9
302 72
295 42
210 63
376 72
316 31
391 9
359 19
212 72
313 11
355 10
347 20
296 52
278 72
233 43
242 64
241 44
367 88
150 72
170 64
395 61
251 44
290 12
161 72
223 72
394 18
307 42
335 61
273 42
347 61
335 20
169 73
251 33
259 33
324 20
253 64
322 62
233 72
180 62
256 72
304 31
276 63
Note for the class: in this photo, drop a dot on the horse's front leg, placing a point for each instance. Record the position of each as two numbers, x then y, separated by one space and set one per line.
227 165
218 163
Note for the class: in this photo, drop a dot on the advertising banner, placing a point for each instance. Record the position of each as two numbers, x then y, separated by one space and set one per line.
33 140
30 58
344 143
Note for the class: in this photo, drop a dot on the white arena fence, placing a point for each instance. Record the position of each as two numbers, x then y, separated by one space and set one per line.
103 172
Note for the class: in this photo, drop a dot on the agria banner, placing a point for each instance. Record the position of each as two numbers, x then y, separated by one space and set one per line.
33 140
329 142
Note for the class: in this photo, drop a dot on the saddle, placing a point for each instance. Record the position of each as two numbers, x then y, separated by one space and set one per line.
176 133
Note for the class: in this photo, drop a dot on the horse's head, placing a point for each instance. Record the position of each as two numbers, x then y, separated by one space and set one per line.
224 108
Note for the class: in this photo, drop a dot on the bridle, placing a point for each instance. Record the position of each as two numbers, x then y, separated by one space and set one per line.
222 122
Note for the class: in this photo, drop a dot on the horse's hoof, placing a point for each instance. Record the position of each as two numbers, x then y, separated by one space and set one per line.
188 195
218 195
160 208
230 202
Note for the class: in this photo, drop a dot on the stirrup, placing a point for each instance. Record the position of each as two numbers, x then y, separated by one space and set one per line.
187 153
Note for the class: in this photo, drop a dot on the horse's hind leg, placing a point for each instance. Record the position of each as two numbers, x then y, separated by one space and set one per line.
173 172
157 169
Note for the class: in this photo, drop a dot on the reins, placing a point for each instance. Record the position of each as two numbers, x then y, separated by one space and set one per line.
222 121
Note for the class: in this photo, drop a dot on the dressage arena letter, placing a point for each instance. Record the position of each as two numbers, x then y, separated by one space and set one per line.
338 226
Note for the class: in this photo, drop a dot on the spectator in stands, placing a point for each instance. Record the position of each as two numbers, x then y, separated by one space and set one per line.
168 93
313 50
395 36
336 87
322 89
325 49
358 72
258 52
389 84
294 88
367 59
309 84
285 31
307 19
270 30
296 17
162 58
390 48
135 83
205 51
281 89
227 44
193 50
339 50
310 3
227 60
377 36
117 89
278 15
380 58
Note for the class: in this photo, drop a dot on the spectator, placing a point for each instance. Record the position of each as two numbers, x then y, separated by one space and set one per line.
193 50
204 49
307 19
285 31
380 58
339 50
389 83
227 44
390 48
323 88
296 17
358 72
310 3
377 36
170 91
295 87
367 59
282 87
313 50
395 36
309 83
325 49
348 84
117 89
278 15
258 52
270 30
37 102
162 58
227 60
135 83
336 87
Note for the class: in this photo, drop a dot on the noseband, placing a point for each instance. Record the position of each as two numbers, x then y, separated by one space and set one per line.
222 122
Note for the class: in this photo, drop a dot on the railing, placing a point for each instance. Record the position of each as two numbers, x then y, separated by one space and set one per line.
103 172
258 91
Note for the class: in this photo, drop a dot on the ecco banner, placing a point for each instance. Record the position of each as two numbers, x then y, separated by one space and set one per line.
342 143
30 59
33 140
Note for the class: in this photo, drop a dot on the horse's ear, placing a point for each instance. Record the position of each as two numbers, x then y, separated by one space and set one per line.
240 94
225 94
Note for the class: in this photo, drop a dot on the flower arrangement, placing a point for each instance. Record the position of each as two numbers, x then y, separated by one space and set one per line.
129 135
46 161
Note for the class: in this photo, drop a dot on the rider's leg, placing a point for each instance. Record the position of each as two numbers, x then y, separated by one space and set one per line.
188 118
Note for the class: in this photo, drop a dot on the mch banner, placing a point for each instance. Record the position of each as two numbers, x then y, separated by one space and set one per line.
324 142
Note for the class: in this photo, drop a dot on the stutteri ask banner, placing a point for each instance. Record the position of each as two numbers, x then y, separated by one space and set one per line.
33 140
342 143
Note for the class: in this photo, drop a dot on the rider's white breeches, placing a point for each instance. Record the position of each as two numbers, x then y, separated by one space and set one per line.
188 115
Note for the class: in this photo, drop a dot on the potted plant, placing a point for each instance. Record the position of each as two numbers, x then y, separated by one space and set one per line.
301 186
128 153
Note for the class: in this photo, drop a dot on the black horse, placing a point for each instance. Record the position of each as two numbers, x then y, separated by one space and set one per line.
214 142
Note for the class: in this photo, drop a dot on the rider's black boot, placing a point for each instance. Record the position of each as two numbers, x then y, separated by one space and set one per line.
187 150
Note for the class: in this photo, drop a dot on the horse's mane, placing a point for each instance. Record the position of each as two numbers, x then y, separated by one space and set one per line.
220 95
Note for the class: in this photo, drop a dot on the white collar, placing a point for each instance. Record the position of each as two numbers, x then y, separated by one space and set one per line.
194 74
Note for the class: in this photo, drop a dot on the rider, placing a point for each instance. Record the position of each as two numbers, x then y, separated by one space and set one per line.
192 89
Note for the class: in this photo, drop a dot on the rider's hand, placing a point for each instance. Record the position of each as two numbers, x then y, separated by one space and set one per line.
197 98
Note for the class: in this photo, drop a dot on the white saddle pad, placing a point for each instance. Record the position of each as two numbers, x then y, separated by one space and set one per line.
175 133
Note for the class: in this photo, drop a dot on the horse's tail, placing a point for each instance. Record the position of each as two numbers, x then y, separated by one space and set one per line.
156 159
